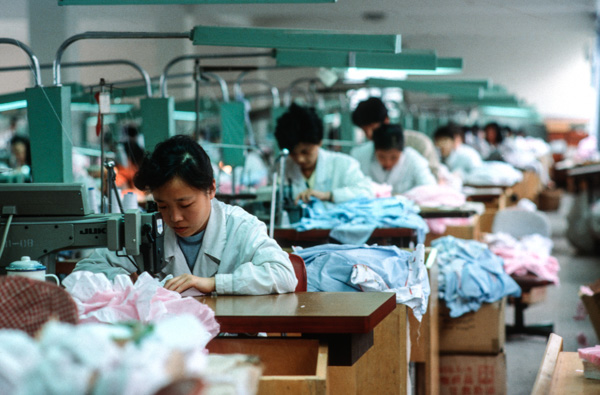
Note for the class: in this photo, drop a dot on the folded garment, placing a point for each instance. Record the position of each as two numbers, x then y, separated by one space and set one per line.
354 221
353 268
470 274
530 254
100 300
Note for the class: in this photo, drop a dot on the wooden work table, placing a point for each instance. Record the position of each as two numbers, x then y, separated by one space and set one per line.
304 312
568 377
366 354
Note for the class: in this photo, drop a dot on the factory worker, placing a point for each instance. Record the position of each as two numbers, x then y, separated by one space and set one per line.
460 158
209 245
372 113
387 161
311 170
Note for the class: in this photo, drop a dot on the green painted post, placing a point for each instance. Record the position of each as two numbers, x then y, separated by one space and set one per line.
158 122
233 131
49 117
347 130
276 113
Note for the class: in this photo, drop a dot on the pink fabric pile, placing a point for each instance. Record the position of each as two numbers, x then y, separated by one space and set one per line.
531 254
439 196
100 300
590 354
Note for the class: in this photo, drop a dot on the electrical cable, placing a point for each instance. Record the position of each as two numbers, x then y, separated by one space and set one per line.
4 237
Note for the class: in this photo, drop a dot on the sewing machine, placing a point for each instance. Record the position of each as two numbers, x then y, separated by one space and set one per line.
38 220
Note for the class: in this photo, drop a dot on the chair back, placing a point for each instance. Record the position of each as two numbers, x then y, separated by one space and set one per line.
300 270
519 223
544 375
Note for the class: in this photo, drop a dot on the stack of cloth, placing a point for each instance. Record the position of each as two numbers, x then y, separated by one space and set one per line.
492 173
354 268
470 274
530 254
442 197
354 221
591 362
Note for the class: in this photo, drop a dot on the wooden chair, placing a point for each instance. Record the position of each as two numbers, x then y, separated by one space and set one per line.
519 223
544 375
300 270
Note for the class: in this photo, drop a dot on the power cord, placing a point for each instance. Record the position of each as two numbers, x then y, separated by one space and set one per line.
11 211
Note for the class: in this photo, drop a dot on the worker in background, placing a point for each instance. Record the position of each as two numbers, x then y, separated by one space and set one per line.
128 166
311 170
20 149
494 137
372 113
209 245
387 161
457 156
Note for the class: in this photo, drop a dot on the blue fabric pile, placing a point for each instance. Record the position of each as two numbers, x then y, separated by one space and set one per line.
352 268
470 274
354 221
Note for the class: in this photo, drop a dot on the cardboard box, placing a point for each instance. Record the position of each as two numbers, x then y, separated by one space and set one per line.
486 220
290 366
591 301
473 374
468 232
479 332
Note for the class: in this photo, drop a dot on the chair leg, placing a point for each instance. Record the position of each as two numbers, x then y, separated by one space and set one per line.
519 326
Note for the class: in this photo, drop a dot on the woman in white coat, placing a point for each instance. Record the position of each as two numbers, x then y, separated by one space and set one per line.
387 161
209 245
312 171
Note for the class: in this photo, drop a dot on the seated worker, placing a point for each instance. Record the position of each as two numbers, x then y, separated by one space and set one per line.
311 170
387 161
372 113
495 138
460 158
209 245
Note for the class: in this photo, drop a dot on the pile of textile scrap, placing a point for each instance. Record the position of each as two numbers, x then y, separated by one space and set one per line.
356 268
353 222
470 274
590 357
529 254
442 197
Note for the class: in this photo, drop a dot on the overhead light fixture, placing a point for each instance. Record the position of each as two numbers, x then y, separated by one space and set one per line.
356 59
433 87
93 108
509 112
14 105
303 39
170 2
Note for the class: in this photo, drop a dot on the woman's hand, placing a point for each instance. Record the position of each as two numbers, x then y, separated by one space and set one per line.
306 194
186 281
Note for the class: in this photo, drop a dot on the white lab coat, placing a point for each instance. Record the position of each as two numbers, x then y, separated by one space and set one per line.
411 170
236 250
463 160
335 172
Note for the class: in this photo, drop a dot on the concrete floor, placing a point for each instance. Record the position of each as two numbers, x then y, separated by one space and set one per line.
524 353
